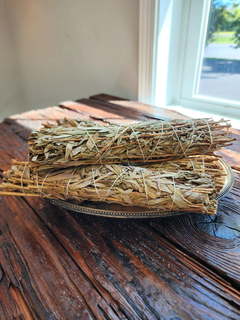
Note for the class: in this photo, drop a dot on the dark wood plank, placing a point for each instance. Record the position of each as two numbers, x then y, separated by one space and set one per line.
124 112
215 241
11 147
23 124
145 109
223 227
42 279
30 258
140 269
93 112
96 111
112 268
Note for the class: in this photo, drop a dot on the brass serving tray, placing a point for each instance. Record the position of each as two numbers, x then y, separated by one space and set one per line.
118 211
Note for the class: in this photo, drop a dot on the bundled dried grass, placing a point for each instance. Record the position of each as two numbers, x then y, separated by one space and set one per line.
76 160
75 143
159 189
202 164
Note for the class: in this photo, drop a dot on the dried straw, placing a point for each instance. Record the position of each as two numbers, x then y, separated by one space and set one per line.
75 142
201 164
178 191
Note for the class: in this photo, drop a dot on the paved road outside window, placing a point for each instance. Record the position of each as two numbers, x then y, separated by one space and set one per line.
220 76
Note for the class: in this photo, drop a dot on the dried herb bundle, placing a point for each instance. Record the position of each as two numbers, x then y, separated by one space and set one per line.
182 191
77 143
203 164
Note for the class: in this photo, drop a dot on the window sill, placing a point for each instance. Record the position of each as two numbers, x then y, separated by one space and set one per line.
193 113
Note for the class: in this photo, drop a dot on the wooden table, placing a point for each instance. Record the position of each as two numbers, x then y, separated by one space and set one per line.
57 264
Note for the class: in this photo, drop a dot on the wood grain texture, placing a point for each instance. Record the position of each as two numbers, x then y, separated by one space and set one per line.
215 241
103 116
57 264
23 124
124 112
145 109
139 269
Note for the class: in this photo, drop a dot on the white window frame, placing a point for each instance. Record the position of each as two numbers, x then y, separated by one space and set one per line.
167 75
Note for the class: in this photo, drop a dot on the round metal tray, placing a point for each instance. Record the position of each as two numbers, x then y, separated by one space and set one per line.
118 211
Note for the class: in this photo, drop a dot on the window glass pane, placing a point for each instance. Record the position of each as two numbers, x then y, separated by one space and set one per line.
220 70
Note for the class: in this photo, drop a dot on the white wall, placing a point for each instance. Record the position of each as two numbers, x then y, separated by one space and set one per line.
69 49
11 93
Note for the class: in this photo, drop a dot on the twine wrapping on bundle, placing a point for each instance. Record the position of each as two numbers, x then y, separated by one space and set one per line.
80 160
151 141
179 190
